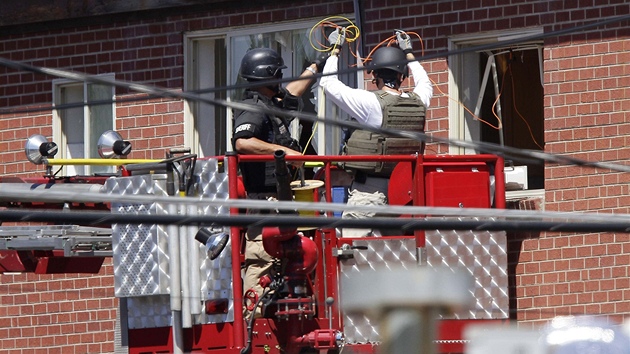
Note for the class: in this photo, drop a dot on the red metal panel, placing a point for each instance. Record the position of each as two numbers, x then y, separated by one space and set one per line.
47 262
458 187
150 340
53 262
13 261
201 339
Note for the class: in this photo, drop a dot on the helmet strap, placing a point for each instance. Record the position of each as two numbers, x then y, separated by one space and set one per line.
391 81
274 88
391 84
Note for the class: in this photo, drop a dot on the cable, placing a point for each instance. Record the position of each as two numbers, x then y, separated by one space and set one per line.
352 32
494 105
250 323
489 46
403 224
503 151
55 196
479 146
529 128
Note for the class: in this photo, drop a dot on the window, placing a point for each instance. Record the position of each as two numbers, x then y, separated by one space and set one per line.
213 60
513 74
76 130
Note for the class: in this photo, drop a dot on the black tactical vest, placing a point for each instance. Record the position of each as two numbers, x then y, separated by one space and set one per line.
276 131
399 113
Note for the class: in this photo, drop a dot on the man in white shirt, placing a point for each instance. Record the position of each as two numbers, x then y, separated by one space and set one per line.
389 107
403 110
362 104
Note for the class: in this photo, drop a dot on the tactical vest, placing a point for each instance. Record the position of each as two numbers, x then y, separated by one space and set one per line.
399 113
280 135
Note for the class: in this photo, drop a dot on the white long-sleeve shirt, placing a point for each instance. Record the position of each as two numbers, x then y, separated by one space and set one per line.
363 105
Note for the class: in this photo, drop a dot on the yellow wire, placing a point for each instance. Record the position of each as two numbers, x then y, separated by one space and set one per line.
314 129
350 29
355 33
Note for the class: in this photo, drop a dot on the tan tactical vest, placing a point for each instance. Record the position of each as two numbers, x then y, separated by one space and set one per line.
399 113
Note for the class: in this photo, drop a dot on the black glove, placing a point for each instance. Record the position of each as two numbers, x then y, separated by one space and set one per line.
320 60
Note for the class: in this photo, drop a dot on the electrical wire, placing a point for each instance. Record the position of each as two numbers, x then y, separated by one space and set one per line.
529 128
484 47
503 151
479 146
12 195
352 32
403 224
494 107
392 40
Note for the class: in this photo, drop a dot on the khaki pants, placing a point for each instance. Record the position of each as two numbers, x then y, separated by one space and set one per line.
257 264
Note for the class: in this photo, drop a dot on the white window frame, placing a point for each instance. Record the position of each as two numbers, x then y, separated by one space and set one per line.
325 135
459 122
59 136
458 129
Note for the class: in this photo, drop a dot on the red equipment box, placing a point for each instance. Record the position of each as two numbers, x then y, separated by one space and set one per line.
460 186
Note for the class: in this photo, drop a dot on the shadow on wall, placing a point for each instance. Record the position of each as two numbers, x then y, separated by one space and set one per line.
515 245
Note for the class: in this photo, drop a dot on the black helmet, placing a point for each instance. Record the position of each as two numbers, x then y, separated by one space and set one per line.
391 58
261 64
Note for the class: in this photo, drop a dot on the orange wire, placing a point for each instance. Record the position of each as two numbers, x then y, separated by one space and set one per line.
529 128
494 104
392 39
464 106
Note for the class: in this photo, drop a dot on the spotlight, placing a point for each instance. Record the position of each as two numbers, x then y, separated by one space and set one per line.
111 145
214 240
38 147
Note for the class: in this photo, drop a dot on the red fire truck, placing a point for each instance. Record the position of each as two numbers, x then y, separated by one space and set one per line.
175 232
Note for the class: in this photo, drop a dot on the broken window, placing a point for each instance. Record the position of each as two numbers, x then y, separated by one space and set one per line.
499 99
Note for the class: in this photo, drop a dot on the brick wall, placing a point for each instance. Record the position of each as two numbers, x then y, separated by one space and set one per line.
152 125
77 313
69 313
586 108
145 50
586 104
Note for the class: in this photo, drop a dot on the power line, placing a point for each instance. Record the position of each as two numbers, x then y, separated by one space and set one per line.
506 152
484 47
8 193
404 224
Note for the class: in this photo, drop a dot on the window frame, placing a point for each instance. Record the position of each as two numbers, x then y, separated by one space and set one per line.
59 136
460 127
191 135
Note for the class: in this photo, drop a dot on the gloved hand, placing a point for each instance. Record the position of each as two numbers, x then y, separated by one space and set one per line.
320 60
404 41
337 37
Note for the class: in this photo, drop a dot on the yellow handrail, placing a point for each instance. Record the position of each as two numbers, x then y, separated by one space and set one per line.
97 162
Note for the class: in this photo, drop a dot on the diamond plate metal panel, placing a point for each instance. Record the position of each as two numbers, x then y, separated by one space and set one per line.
216 274
141 262
219 284
381 252
148 312
140 252
484 255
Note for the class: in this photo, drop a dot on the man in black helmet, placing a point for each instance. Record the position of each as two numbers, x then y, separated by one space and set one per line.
388 107
389 71
259 133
